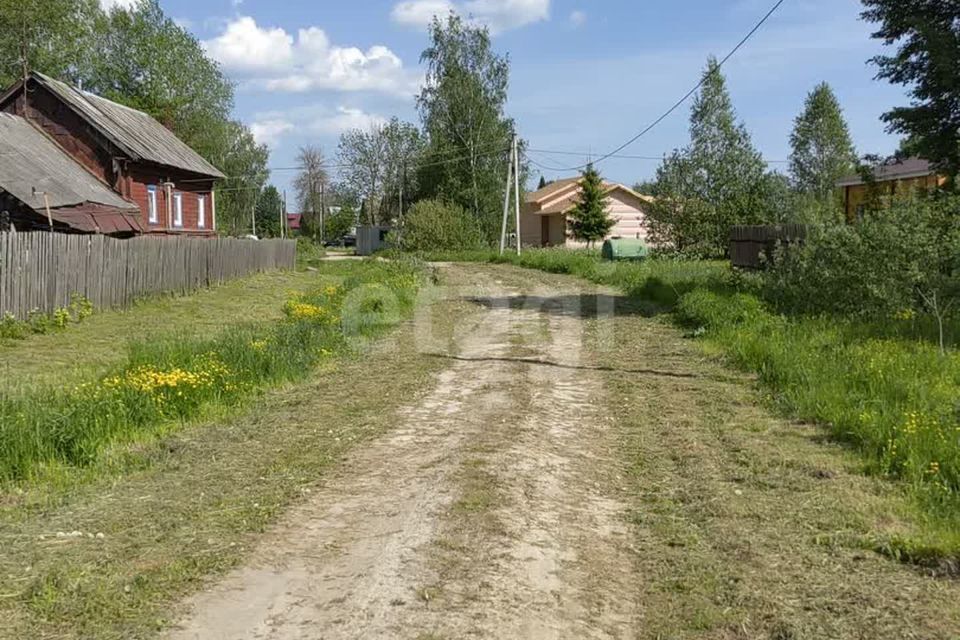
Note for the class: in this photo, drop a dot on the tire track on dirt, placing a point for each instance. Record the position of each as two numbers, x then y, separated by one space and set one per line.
358 559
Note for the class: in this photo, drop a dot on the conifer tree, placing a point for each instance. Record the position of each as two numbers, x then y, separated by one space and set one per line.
542 183
589 220
822 150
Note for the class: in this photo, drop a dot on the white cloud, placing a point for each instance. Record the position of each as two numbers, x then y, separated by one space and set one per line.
244 47
345 119
271 127
275 60
109 5
498 15
578 18
269 131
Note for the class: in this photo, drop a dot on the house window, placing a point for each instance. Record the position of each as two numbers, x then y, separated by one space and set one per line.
201 212
178 209
153 216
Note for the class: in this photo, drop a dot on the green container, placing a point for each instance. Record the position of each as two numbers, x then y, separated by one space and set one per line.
625 249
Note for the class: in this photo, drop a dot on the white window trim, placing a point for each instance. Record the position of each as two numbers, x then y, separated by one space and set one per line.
201 211
153 208
178 210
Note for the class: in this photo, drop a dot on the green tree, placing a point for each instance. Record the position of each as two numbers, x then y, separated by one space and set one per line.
145 60
822 151
339 221
542 183
269 211
926 34
51 36
590 220
237 155
717 182
462 107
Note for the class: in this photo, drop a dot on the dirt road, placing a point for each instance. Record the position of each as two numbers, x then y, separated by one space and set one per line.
523 497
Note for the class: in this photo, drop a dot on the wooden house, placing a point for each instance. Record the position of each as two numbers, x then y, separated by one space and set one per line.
890 179
167 184
544 213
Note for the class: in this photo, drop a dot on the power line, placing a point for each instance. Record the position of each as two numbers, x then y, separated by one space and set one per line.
484 152
686 97
420 165
622 156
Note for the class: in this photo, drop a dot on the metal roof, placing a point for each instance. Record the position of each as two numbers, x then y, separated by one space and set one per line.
893 170
137 134
31 163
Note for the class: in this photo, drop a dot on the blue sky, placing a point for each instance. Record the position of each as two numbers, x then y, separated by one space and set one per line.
586 75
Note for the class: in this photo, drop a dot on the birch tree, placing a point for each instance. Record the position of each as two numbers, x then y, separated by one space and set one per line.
462 108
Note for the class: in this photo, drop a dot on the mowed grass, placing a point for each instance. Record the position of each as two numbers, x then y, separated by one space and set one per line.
101 340
880 386
106 554
166 381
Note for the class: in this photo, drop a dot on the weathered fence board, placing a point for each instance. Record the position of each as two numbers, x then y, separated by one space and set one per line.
42 270
751 247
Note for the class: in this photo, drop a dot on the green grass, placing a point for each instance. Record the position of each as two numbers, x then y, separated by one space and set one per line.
878 386
100 342
178 508
165 382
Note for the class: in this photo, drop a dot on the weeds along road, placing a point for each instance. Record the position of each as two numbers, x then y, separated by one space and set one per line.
578 470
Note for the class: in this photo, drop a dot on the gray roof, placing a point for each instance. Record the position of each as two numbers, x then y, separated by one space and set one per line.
137 134
29 160
893 170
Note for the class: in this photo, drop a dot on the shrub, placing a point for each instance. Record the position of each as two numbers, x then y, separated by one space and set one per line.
895 260
433 225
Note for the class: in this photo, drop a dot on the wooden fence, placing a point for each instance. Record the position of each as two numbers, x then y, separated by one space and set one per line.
41 270
753 246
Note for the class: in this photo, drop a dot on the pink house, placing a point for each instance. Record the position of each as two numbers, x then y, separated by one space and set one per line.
543 216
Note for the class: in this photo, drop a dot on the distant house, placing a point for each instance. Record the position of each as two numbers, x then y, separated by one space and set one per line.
545 212
888 179
161 185
294 222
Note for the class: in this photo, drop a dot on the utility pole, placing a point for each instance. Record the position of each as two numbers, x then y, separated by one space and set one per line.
516 186
323 207
506 201
403 174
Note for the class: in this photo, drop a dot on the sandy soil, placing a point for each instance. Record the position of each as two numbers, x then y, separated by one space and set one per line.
486 512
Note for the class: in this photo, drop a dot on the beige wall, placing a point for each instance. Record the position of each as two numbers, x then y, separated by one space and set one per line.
626 211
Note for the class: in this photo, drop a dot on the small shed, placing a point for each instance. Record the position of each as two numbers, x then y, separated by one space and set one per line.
371 238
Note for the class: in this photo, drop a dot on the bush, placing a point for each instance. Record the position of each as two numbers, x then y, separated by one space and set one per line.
888 264
433 225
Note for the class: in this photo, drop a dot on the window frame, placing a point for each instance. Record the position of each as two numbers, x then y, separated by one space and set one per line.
201 211
153 205
178 210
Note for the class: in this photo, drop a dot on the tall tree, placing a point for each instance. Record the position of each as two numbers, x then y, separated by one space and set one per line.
145 60
364 158
269 212
822 151
927 36
719 178
590 221
311 185
52 36
238 156
462 107
379 165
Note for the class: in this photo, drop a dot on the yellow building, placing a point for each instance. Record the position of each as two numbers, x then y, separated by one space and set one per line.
889 180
